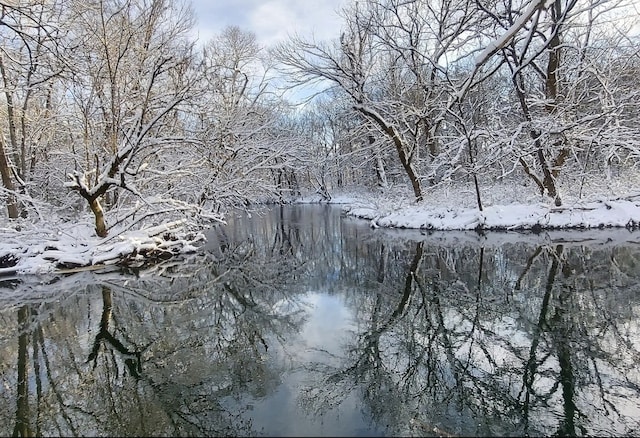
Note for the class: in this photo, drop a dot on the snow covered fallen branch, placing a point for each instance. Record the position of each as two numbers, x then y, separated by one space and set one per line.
76 246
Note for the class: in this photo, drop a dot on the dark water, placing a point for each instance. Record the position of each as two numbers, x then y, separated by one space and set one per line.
302 322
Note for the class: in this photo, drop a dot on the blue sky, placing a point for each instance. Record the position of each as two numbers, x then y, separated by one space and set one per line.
270 20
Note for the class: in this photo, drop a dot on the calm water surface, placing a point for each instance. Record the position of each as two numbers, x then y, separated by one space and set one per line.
298 321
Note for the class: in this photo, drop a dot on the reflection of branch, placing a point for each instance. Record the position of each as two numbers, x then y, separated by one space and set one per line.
407 284
480 265
133 363
531 367
442 330
135 367
526 269
383 261
369 358
54 385
563 332
246 303
427 429
567 380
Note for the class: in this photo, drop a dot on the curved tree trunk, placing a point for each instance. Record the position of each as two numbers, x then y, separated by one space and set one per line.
101 227
401 148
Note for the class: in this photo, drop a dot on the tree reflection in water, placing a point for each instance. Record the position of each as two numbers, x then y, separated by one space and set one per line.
450 354
164 354
495 336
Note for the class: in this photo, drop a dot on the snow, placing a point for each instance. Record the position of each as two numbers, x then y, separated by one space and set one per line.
73 244
513 209
620 213
503 40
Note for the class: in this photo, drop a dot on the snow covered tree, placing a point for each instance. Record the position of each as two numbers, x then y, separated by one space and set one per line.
601 93
548 51
131 79
337 152
392 60
247 144
536 46
30 61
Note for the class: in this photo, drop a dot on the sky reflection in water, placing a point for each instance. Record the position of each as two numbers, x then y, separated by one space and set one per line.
328 325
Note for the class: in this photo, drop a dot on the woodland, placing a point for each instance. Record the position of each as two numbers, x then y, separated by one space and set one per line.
117 124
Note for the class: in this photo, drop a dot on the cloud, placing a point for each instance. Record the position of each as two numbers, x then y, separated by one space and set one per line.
272 21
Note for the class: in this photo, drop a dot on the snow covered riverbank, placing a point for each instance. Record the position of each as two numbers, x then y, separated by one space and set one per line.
449 211
601 214
69 245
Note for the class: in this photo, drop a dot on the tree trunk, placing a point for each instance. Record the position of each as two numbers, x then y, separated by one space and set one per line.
398 142
551 83
12 203
381 175
96 208
548 180
11 119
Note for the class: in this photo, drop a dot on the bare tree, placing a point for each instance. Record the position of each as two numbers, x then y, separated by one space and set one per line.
522 52
247 144
393 60
546 48
131 81
30 59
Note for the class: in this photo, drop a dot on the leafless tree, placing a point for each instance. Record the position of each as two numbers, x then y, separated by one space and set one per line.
248 148
550 53
31 58
131 82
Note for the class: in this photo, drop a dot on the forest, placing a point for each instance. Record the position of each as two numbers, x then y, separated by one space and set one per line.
114 117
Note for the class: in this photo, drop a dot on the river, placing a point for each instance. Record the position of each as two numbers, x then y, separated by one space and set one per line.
298 321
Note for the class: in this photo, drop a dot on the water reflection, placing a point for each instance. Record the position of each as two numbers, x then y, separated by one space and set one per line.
284 411
300 322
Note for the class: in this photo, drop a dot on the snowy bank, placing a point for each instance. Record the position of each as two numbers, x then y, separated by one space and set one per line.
438 212
600 214
71 246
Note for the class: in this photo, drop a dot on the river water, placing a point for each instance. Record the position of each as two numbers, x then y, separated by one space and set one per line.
297 321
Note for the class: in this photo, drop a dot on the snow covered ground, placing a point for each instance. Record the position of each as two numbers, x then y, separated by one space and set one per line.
510 208
596 214
32 250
